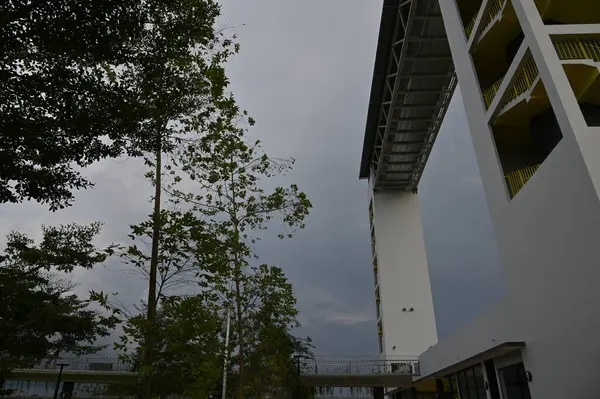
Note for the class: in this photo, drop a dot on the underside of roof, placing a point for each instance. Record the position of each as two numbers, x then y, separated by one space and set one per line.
413 82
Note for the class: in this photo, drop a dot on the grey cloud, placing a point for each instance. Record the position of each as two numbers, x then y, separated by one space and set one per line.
304 73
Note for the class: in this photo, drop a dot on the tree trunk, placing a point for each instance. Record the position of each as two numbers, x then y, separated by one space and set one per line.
151 311
238 299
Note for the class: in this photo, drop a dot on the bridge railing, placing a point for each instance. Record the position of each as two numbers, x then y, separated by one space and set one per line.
107 363
331 365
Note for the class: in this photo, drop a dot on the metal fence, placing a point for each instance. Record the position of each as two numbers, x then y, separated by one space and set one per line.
407 365
107 363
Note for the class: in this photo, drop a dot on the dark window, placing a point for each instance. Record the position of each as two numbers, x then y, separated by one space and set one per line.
514 382
471 383
490 370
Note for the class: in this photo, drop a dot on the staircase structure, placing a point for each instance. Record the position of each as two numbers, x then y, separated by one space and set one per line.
513 92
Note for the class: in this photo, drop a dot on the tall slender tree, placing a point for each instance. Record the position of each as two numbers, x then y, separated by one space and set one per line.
228 173
136 77
178 73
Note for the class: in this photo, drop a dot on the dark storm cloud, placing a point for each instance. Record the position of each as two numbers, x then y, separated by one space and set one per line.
305 72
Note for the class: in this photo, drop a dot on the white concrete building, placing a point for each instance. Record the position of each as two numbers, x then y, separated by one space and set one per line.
529 73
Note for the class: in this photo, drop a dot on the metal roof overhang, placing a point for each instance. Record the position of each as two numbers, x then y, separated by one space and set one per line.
413 82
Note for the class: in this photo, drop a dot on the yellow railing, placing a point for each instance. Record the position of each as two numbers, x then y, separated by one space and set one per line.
517 179
490 93
373 243
578 49
527 76
469 28
376 271
525 80
571 49
495 8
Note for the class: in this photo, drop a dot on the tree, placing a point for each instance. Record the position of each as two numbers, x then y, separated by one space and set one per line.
181 80
186 251
39 313
228 173
78 86
269 315
188 351
136 77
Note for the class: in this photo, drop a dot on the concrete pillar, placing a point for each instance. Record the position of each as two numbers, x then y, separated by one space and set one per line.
406 306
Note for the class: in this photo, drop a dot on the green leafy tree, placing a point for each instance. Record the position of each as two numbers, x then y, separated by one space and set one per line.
188 352
228 173
135 77
180 79
269 320
78 86
186 251
39 313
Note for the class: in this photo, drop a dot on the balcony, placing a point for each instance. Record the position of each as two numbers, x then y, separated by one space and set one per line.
524 82
578 49
518 178
493 12
581 75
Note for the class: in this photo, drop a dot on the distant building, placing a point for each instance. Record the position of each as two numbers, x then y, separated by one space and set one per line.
529 73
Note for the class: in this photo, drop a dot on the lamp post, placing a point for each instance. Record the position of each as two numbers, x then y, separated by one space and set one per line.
62 365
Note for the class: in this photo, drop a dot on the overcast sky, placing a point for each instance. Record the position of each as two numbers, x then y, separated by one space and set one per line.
304 73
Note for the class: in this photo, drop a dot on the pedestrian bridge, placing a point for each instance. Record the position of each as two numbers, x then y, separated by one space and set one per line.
358 371
109 370
318 371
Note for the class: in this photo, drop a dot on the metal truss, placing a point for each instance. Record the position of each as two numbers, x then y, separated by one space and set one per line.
418 86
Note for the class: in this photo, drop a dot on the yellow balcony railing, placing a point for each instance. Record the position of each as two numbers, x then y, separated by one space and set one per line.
495 8
578 49
525 79
517 179
490 93
570 49
469 28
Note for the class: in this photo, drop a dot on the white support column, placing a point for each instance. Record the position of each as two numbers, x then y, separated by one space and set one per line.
406 303
561 95
481 134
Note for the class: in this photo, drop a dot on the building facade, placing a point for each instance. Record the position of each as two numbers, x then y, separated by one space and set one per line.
412 86
529 74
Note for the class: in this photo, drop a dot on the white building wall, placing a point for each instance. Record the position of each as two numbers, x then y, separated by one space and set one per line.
403 275
548 236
